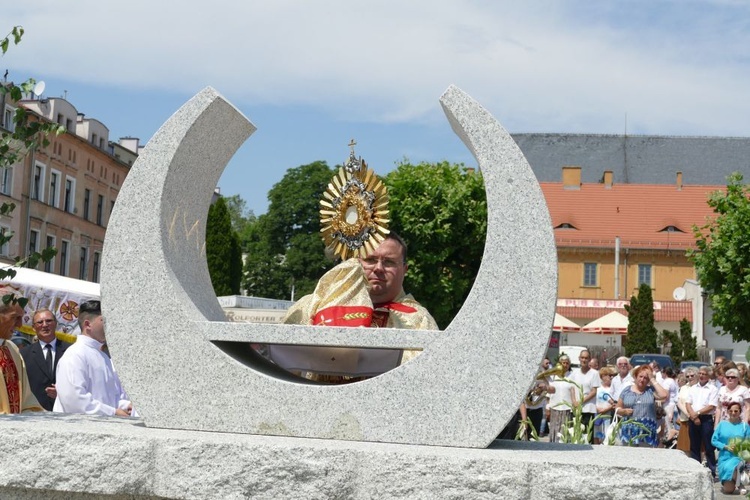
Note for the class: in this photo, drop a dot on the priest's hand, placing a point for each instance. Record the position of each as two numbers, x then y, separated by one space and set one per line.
51 391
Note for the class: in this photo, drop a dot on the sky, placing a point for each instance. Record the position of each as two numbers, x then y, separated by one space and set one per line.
312 75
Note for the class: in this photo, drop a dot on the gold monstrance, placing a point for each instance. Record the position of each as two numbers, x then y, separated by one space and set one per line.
353 210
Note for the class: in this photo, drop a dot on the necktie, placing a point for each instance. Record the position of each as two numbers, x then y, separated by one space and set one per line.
48 348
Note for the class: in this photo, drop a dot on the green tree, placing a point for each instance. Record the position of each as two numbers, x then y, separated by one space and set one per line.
223 253
641 330
240 215
28 134
284 247
722 258
688 342
441 212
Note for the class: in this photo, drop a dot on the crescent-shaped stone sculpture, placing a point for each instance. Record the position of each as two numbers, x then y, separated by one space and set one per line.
185 367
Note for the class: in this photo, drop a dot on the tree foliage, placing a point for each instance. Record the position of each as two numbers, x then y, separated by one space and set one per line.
684 346
641 330
27 135
722 258
441 212
241 216
223 252
284 247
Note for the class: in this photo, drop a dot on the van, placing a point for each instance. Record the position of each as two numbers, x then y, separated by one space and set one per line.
573 352
643 359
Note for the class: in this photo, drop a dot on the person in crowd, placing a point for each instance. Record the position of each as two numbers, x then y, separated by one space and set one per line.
543 426
561 395
685 380
637 406
742 368
535 403
670 385
656 369
588 380
723 440
605 404
701 404
41 357
86 380
623 378
731 392
594 363
15 391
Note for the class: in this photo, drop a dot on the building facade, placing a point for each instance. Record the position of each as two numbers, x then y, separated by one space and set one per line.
65 191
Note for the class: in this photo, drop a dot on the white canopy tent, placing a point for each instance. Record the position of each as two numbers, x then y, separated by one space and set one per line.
563 324
609 324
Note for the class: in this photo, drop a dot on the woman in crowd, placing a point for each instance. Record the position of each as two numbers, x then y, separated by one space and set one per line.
685 380
670 385
637 406
605 404
726 431
561 396
732 392
742 368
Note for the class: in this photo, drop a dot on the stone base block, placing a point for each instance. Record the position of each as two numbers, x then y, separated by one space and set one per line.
78 457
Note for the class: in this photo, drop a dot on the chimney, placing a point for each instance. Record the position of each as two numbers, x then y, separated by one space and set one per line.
571 177
679 181
608 178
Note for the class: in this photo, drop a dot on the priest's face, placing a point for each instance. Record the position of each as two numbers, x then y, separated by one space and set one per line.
95 329
44 326
385 269
9 319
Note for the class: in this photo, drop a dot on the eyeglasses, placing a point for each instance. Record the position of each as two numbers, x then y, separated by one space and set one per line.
731 377
372 263
734 411
690 376
44 321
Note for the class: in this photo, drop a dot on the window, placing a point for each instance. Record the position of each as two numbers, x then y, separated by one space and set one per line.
86 203
99 210
95 268
37 187
644 274
33 241
5 246
53 197
111 206
70 193
82 265
49 266
589 274
8 119
6 181
64 246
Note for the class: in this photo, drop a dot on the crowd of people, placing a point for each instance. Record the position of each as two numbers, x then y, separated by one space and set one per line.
700 411
53 375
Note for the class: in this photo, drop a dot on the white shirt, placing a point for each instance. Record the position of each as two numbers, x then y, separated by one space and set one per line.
561 395
87 382
701 396
672 389
618 384
588 381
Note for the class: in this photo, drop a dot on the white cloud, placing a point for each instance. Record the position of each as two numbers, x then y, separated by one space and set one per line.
673 67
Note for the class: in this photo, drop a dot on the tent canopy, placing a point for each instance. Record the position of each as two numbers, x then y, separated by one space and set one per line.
563 324
610 323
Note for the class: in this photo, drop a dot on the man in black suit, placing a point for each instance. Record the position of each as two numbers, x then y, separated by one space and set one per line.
41 358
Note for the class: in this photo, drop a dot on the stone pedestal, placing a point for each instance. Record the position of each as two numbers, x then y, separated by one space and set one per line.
78 457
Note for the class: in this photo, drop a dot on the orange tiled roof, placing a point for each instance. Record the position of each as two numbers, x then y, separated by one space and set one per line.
673 311
637 213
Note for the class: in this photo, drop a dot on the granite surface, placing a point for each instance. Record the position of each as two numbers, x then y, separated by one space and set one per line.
76 457
186 368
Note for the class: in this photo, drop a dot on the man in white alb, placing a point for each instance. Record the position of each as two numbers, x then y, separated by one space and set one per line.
86 381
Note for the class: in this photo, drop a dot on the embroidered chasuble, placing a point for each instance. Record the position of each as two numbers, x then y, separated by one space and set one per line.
15 392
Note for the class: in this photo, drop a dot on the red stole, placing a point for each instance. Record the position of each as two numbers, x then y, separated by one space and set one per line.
12 383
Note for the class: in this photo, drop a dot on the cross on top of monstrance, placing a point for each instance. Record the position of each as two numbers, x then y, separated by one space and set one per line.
354 210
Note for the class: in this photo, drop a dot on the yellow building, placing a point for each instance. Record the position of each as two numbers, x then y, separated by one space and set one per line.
612 237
